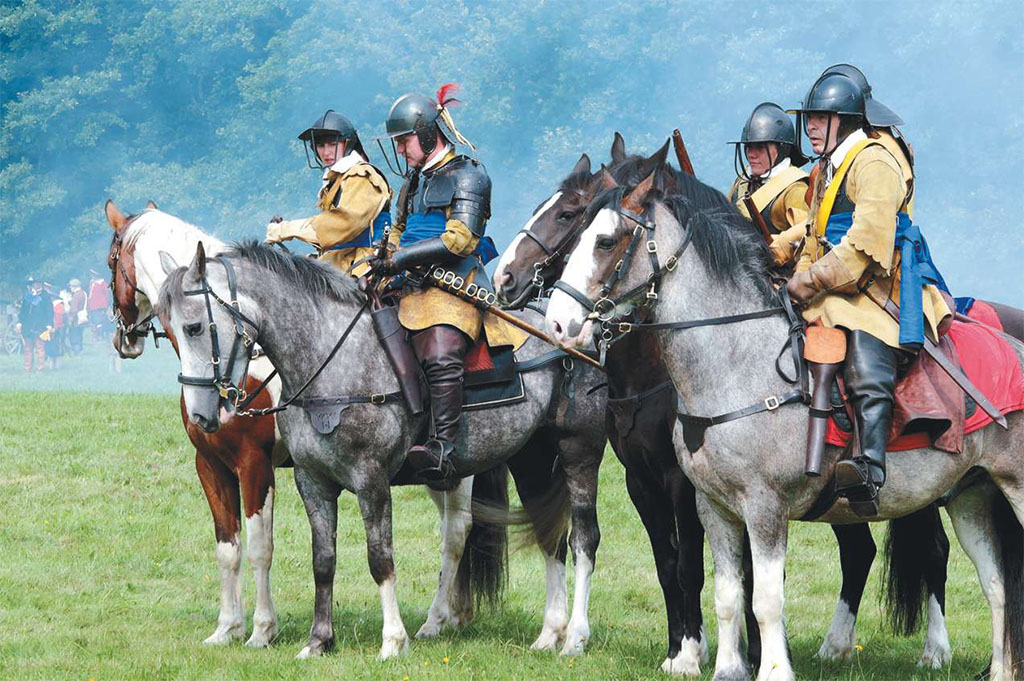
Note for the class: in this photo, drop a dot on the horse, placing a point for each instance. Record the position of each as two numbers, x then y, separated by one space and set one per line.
293 307
701 261
640 430
236 464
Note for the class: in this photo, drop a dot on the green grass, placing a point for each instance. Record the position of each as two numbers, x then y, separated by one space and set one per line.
107 572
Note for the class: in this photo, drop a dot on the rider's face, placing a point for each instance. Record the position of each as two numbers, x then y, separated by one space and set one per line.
760 156
330 151
408 145
822 128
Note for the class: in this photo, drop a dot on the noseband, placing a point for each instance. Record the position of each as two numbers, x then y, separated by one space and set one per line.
221 381
140 327
552 254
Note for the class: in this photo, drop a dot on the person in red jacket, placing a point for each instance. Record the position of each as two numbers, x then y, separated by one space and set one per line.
98 303
78 316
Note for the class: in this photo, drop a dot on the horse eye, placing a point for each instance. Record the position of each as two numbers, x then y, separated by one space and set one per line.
606 243
194 330
566 216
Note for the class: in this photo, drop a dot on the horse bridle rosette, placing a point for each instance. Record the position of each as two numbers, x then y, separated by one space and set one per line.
221 380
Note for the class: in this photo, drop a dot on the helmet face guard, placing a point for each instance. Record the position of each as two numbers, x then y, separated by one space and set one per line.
768 123
331 126
413 113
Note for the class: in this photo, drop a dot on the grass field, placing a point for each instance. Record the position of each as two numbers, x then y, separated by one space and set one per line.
107 572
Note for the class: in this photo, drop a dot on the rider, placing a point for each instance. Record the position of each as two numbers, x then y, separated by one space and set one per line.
440 219
853 255
354 199
772 177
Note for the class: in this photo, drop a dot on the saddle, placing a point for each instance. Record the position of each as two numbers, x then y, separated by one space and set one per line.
930 409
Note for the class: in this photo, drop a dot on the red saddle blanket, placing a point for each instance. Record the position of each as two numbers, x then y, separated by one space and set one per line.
990 363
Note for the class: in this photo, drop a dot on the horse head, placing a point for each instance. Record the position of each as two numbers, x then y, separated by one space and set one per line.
214 337
131 309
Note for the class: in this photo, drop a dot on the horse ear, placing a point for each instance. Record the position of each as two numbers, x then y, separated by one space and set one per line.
199 262
582 165
167 262
114 216
634 201
656 160
618 148
151 205
605 180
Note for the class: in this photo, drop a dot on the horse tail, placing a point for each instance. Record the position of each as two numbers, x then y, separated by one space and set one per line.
913 547
1011 562
483 568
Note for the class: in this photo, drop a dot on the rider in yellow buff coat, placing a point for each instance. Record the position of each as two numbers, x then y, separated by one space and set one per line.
353 200
768 161
441 216
860 242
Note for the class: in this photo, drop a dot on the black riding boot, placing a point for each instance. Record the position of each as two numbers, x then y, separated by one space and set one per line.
870 376
441 350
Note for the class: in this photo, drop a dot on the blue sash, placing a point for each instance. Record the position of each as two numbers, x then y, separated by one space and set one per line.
420 226
363 239
916 270
964 305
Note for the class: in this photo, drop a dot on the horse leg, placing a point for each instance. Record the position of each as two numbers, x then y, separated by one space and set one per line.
456 522
856 553
972 513
256 473
767 527
375 505
690 535
543 493
657 515
725 535
221 488
321 502
937 651
581 467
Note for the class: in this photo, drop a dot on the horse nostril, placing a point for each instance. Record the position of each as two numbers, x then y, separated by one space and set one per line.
557 328
508 280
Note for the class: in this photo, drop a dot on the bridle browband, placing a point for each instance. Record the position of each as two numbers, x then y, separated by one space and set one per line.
603 311
221 380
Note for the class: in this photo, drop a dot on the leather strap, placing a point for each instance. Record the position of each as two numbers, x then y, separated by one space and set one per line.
694 426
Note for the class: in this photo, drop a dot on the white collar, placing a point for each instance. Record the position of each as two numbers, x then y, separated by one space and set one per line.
344 163
440 154
778 168
837 157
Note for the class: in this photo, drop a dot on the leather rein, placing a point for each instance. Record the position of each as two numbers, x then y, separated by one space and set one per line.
604 312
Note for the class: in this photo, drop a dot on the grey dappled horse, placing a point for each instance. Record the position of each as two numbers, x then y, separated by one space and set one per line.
640 423
296 309
749 472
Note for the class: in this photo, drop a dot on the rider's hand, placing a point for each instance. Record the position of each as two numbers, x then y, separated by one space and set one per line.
274 232
782 249
801 287
276 218
383 267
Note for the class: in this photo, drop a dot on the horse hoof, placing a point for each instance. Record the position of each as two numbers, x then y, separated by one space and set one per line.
224 636
548 640
835 651
681 665
430 630
396 647
310 651
733 674
574 645
935 657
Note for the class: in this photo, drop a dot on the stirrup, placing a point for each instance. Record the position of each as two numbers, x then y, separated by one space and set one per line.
854 483
432 460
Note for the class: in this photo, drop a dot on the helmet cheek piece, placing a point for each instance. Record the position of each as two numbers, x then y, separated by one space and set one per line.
427 136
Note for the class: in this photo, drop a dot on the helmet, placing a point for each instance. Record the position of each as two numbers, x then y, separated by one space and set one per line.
416 113
331 126
769 123
75 282
834 93
878 114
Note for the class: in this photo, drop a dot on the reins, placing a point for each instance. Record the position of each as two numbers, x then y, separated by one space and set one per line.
603 312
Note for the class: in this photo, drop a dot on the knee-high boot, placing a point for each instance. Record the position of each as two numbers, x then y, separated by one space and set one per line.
441 350
870 376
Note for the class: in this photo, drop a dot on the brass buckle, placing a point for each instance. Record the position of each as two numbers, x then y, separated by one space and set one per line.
625 327
771 403
378 398
670 264
652 246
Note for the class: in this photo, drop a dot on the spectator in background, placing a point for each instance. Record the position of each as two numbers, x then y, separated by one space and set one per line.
55 343
97 303
78 316
34 324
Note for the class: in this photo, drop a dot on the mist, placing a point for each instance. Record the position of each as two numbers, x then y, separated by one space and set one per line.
197 105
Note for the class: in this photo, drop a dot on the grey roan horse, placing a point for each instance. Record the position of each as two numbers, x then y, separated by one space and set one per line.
641 415
296 309
749 472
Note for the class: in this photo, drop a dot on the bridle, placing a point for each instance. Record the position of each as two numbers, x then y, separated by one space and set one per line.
221 380
140 327
603 312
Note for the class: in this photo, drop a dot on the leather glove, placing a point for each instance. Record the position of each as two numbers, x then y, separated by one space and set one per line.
384 267
801 287
274 231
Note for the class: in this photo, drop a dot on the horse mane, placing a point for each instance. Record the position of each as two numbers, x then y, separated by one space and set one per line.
315 279
174 227
727 245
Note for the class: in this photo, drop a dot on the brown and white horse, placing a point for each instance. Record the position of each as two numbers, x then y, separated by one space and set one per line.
236 464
